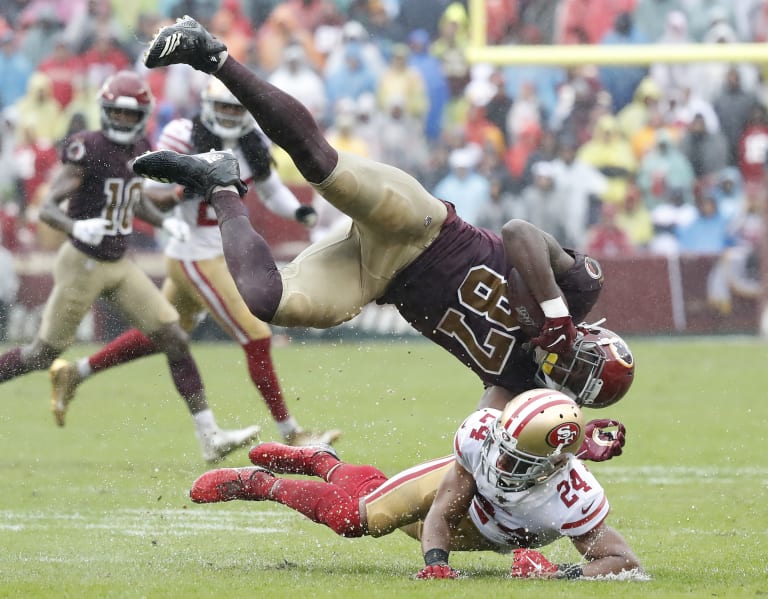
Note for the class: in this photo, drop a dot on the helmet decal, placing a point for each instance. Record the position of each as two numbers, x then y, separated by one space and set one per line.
563 434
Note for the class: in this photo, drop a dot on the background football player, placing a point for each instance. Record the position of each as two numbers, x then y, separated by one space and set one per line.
102 195
197 278
513 484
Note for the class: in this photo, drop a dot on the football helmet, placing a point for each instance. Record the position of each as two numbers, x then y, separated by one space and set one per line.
222 113
527 443
597 372
126 103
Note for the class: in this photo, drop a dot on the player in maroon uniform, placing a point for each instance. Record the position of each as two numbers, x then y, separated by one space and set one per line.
404 246
103 195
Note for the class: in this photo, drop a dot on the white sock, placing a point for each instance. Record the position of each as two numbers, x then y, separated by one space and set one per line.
84 368
205 423
288 426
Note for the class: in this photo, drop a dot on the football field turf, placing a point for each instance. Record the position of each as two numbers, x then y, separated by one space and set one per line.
100 509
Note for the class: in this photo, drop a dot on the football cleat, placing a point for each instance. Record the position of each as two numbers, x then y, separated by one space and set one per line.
288 459
64 380
227 484
200 173
185 42
220 443
302 437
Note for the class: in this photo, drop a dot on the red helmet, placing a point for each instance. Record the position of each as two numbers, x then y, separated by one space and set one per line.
125 102
597 372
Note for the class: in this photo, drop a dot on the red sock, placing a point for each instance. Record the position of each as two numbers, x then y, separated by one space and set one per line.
129 346
356 480
323 503
264 377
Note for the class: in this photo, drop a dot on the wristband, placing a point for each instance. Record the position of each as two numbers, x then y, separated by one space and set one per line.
436 556
554 308
569 571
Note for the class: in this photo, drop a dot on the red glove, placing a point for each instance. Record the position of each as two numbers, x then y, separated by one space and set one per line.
528 563
599 444
437 571
557 335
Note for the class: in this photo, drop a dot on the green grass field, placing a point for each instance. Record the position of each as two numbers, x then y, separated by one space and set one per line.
100 509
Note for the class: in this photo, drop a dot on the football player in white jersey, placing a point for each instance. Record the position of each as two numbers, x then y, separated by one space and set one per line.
513 484
198 280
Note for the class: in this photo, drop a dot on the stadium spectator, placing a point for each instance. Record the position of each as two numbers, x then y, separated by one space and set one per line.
635 219
95 19
103 58
295 76
546 204
637 113
708 233
351 79
479 498
622 81
15 69
606 238
38 31
400 82
197 280
39 111
610 153
354 34
588 21
280 30
231 25
464 187
65 70
503 207
435 82
733 106
672 77
397 130
583 186
422 14
663 168
706 150
753 145
92 263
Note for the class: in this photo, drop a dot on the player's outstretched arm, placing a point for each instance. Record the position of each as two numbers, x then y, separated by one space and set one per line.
451 503
606 552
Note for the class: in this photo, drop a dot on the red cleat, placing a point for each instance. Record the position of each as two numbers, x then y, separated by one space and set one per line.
288 459
227 484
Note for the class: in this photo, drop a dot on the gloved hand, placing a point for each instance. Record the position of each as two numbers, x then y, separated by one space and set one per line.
528 563
176 228
600 445
437 571
557 335
91 230
306 215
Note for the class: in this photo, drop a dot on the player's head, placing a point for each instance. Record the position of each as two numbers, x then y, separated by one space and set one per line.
126 103
529 440
222 113
597 372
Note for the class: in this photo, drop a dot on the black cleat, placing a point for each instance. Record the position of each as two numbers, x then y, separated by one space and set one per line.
197 172
185 42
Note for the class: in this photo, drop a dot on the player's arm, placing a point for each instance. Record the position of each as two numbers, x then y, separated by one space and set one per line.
494 397
606 552
538 257
66 179
450 505
604 549
148 211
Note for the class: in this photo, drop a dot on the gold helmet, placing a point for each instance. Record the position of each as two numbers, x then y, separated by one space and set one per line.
527 441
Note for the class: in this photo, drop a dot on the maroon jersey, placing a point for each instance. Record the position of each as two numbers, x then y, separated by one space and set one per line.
110 189
455 294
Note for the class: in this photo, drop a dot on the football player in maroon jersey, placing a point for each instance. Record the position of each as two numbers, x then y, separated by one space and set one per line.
103 195
513 484
404 246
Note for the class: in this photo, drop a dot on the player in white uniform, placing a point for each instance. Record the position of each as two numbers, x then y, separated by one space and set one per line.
198 280
513 484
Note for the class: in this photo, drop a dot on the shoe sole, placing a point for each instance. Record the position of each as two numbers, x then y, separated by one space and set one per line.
61 393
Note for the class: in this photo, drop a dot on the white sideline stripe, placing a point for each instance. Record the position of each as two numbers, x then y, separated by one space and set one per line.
139 522
678 475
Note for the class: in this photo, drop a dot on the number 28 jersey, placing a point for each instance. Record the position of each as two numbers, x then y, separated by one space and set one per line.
570 503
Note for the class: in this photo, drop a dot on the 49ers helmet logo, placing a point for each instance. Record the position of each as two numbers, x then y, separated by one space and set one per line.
563 434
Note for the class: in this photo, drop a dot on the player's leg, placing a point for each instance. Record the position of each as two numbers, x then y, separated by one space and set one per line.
76 286
146 307
208 285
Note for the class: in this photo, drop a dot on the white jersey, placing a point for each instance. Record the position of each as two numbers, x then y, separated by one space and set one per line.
570 503
205 237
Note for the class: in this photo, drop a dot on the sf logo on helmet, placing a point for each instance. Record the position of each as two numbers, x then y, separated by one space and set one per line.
563 434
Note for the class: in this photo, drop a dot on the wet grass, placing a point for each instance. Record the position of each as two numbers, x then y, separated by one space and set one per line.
100 509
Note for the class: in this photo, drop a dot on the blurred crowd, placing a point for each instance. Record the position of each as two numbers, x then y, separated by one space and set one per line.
612 161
